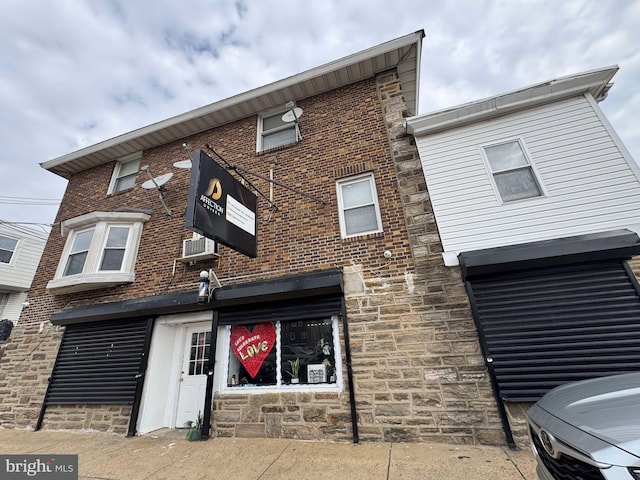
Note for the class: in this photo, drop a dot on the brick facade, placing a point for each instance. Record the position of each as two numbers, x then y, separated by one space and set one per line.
419 374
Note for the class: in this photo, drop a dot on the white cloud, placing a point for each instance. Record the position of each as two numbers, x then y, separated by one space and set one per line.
73 73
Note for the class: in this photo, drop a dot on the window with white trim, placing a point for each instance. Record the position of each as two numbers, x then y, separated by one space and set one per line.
512 172
270 356
358 204
274 132
124 173
7 248
4 299
100 252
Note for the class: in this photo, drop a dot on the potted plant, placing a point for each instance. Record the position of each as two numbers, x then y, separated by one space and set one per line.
195 428
295 370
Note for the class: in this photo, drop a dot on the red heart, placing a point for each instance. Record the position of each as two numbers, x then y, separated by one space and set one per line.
252 348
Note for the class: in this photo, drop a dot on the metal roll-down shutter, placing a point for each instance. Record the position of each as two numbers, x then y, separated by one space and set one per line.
301 309
99 363
544 327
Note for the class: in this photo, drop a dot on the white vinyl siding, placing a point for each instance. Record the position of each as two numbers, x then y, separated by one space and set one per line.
13 306
590 187
18 274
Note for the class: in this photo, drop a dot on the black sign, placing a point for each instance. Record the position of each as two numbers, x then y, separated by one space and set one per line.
220 207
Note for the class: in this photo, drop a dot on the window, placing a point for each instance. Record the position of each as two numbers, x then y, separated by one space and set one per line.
274 132
271 355
199 353
7 247
4 299
78 254
115 248
100 252
124 174
358 203
512 172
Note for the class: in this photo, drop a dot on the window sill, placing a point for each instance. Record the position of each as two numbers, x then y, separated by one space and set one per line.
279 147
92 281
362 236
306 388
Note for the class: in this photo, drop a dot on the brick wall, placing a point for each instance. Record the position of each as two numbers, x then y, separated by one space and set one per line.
418 372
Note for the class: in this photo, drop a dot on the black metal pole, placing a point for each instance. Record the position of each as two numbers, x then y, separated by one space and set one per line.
135 409
208 399
347 354
506 426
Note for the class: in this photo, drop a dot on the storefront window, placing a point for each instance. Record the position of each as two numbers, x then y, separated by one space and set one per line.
282 353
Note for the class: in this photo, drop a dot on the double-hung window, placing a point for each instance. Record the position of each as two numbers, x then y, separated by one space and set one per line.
267 356
115 248
100 252
124 173
7 247
358 204
78 254
513 174
274 132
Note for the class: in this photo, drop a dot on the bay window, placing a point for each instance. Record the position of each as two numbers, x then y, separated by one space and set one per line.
100 252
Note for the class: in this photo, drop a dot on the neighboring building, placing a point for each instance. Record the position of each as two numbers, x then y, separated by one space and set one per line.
537 200
20 252
348 278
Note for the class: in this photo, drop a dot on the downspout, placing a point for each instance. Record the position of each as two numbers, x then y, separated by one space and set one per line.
347 354
208 399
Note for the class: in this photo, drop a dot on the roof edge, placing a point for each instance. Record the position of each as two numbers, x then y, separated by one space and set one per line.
329 67
596 82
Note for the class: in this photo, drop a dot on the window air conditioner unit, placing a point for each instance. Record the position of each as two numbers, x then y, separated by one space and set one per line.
198 249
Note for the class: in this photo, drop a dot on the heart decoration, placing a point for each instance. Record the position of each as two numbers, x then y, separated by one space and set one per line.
252 347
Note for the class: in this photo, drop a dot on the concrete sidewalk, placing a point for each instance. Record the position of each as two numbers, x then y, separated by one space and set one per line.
166 454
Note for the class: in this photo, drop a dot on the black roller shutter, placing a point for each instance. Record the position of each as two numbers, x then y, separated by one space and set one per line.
301 309
99 363
544 327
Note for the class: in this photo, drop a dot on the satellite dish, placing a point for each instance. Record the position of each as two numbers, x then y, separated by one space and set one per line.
157 182
183 164
292 115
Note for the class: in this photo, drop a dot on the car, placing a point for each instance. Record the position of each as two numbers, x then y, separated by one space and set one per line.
588 429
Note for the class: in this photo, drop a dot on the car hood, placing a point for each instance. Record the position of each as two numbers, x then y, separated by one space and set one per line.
608 408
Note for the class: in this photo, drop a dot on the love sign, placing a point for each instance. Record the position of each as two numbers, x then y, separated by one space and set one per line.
252 347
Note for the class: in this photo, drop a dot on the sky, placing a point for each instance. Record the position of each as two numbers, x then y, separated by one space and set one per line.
77 72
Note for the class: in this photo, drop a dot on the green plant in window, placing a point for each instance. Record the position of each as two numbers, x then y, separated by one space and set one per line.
195 428
295 369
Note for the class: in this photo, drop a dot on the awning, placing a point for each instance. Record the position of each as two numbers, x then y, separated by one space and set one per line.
581 248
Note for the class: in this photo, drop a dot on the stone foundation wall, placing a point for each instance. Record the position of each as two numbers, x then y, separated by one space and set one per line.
419 375
25 368
302 416
100 418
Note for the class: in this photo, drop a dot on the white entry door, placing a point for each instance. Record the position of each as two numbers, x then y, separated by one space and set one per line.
193 376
